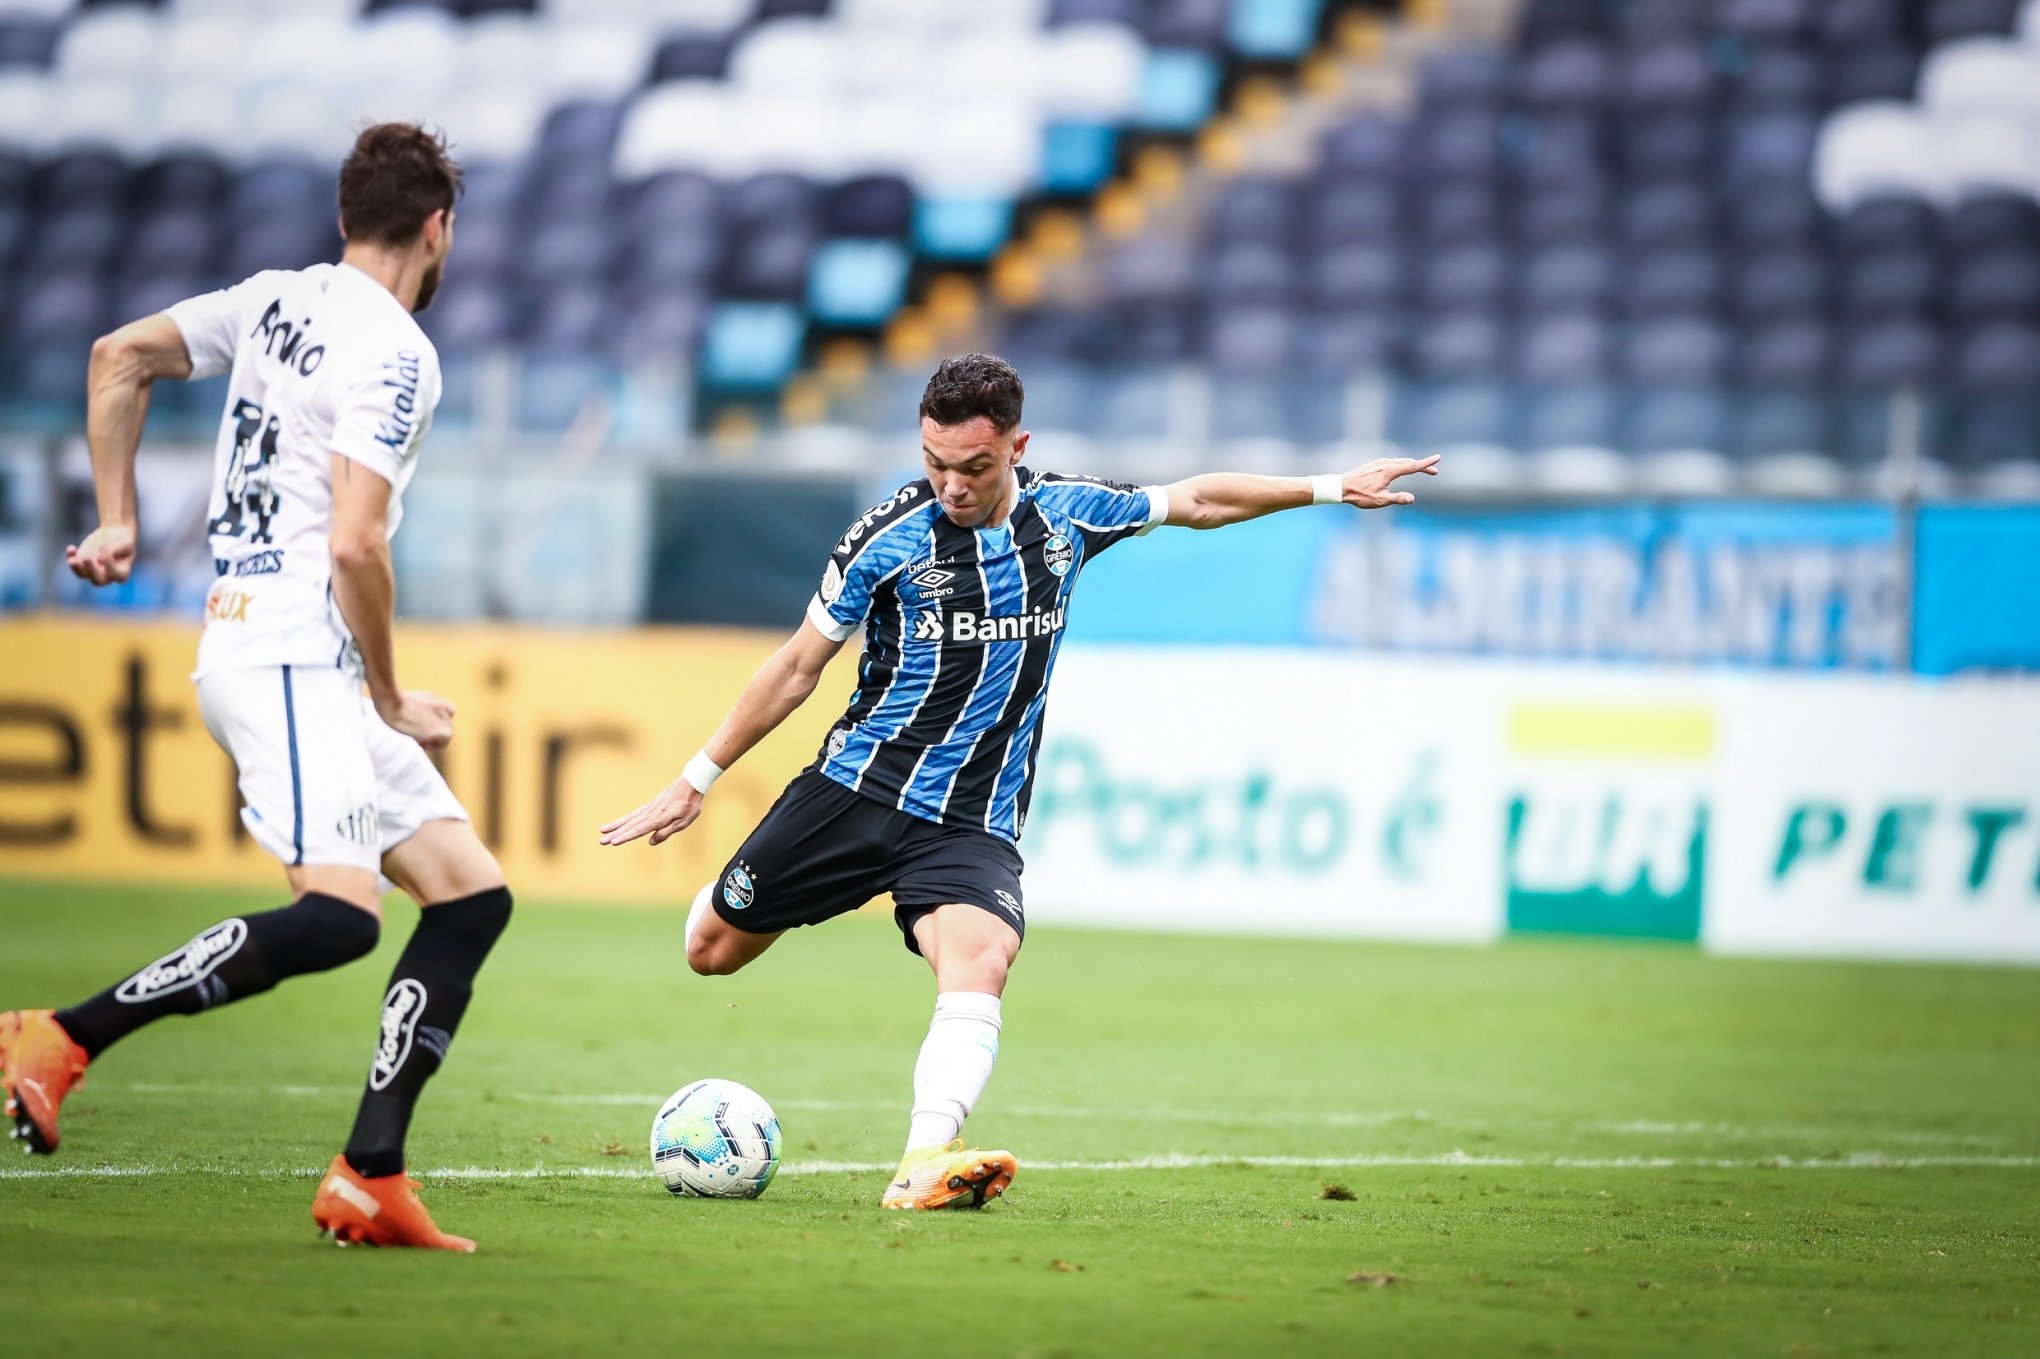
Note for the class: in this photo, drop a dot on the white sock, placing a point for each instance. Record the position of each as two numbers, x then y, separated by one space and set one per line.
694 912
956 1061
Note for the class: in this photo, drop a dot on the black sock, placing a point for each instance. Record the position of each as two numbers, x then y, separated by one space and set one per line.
233 960
428 993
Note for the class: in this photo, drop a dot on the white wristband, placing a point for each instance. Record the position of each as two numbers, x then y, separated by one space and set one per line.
702 772
1328 488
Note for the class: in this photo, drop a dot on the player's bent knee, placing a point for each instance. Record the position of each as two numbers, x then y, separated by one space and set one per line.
714 956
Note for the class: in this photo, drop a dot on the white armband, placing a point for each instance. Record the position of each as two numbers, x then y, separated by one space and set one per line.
702 772
1328 488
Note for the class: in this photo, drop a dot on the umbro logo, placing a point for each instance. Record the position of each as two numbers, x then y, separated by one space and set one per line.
934 577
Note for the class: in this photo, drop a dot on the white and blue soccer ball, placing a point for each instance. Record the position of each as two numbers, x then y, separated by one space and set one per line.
716 1139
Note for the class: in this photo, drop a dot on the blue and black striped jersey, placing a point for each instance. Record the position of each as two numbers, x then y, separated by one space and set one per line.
962 629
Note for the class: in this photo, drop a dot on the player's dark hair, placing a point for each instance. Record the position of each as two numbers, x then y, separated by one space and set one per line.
397 176
971 385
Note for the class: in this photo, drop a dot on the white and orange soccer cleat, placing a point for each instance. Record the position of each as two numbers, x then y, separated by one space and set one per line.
385 1211
950 1177
39 1065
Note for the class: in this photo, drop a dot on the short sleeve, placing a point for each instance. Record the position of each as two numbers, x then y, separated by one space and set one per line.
380 414
871 552
211 323
1105 512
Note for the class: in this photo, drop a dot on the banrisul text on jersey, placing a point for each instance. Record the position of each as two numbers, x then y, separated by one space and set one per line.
962 630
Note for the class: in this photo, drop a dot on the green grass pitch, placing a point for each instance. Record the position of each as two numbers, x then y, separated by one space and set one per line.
1550 1148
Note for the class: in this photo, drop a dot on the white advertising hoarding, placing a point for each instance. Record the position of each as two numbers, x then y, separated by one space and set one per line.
1290 792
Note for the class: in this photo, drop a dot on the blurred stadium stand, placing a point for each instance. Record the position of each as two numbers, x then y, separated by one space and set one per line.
1595 250
714 182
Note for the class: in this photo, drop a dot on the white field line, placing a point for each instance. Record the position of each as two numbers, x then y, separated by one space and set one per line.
1443 1160
1232 1117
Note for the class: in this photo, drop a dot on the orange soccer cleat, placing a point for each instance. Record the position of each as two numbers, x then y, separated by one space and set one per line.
356 1211
39 1065
950 1177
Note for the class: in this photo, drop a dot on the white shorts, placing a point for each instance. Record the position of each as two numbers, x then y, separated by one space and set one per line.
325 780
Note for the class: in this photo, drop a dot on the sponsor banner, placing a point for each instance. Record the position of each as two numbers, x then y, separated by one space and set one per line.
1301 792
1255 791
106 771
1880 820
1265 793
1764 585
1976 590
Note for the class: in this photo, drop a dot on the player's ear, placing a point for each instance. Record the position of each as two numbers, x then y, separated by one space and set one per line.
1019 447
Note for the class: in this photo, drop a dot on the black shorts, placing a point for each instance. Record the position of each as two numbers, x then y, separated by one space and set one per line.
824 850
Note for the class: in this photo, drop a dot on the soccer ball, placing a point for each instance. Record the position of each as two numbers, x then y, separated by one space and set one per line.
715 1139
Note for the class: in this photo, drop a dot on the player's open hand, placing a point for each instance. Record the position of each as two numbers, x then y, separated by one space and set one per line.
1367 486
425 718
106 557
664 817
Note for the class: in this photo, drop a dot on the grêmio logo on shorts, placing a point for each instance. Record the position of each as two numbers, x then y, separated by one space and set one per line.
965 626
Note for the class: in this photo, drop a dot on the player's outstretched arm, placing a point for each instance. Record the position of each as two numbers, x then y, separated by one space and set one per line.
1216 499
781 685
117 383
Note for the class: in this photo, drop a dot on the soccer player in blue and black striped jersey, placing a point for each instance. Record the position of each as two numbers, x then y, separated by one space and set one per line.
961 583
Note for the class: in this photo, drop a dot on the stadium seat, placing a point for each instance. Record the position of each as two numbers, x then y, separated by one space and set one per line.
1774 20
1249 274
1563 347
1668 214
1859 23
1343 344
1666 76
1888 222
1467 77
1986 220
1896 352
1947 20
1872 74
751 346
1149 269
1568 278
1356 277
1890 282
1780 79
1253 210
857 282
1995 283
1882 147
1178 90
1786 352
1664 146
1253 340
1362 148
1272 30
28 40
1344 213
1769 285
1998 358
1575 75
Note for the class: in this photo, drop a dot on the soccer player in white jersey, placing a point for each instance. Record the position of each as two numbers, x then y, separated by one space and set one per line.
332 387
961 582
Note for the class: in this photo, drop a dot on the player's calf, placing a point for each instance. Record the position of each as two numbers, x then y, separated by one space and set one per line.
429 992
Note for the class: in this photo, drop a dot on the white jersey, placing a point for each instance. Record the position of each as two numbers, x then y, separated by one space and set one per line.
324 360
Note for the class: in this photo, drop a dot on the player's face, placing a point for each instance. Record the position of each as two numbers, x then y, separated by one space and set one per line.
971 467
429 285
